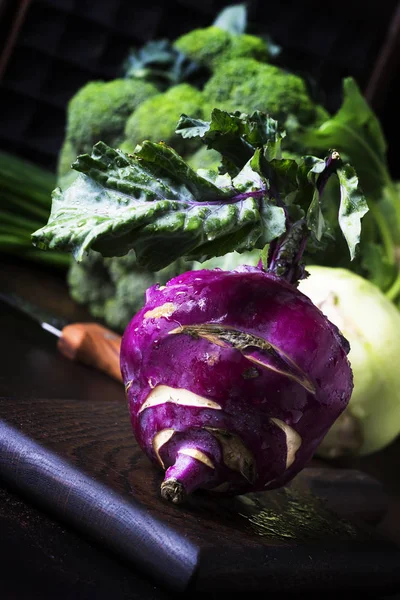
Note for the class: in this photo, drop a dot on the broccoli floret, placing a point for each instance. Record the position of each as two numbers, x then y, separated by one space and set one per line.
128 298
156 118
247 85
248 46
99 111
119 267
89 283
213 46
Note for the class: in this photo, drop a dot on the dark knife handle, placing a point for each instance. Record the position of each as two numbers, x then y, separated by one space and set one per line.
119 522
94 345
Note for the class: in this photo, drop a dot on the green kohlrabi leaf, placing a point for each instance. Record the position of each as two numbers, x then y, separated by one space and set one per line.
188 127
315 218
232 19
356 133
235 135
273 216
257 129
165 162
151 203
223 134
284 175
353 206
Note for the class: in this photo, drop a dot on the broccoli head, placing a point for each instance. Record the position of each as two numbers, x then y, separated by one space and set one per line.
212 46
89 283
156 118
99 111
247 85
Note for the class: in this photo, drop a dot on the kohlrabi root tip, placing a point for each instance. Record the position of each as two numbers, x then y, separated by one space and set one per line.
173 491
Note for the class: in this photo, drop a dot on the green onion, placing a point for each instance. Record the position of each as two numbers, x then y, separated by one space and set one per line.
25 202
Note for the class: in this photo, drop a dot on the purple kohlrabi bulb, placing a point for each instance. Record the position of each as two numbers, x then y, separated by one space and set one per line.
233 379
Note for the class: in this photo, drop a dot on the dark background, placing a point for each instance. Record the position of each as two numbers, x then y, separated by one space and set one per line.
50 48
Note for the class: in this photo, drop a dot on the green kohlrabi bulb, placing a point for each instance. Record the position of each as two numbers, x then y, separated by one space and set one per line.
371 323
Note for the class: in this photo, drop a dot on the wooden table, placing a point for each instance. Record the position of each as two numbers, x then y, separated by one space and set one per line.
39 556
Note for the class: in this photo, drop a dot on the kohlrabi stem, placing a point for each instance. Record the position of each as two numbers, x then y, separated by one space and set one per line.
286 252
382 169
367 149
331 163
274 246
183 477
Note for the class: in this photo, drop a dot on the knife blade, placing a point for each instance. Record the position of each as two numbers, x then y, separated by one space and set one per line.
45 319
88 343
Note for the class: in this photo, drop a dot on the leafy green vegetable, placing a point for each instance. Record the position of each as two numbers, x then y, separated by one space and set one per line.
161 80
232 19
353 206
154 203
355 131
160 63
315 218
236 77
123 199
234 136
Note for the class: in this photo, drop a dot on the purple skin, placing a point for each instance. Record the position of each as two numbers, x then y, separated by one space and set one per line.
305 380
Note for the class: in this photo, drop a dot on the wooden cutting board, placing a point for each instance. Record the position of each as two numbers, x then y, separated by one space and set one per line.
80 461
